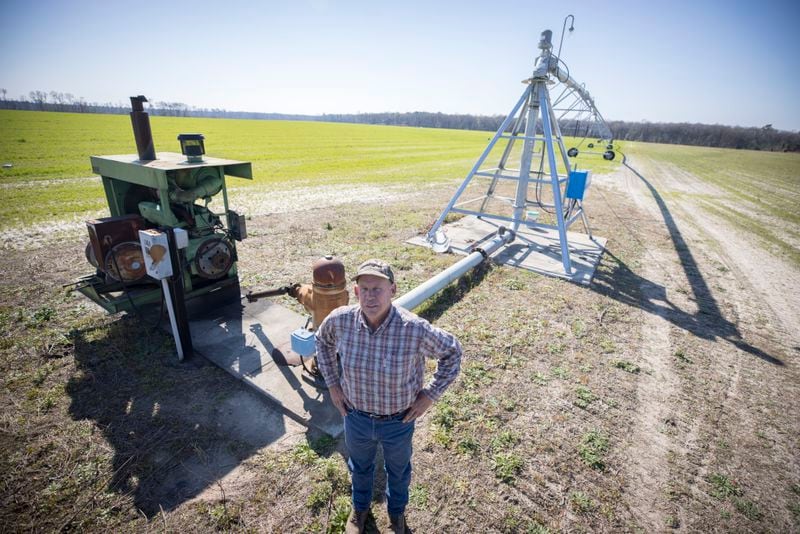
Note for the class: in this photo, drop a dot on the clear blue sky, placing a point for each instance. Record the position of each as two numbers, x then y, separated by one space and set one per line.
729 62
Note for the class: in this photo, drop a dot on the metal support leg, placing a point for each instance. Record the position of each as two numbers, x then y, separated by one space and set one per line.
551 159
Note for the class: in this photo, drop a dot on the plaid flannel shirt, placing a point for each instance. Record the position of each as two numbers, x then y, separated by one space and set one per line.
382 372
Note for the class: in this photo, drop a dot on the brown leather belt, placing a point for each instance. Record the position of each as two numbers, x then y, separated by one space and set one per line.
379 417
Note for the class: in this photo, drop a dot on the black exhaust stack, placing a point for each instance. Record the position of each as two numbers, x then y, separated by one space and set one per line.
141 129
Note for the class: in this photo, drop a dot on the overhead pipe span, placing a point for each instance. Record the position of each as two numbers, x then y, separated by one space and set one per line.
423 292
570 82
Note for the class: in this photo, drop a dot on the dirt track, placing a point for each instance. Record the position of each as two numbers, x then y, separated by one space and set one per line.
710 293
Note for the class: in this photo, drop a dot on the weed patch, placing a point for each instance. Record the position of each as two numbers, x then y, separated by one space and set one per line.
593 448
476 375
504 441
540 379
418 496
341 511
578 328
626 366
682 358
582 503
223 516
320 495
722 487
748 508
507 466
560 372
515 520
304 454
514 285
468 446
584 397
607 346
795 509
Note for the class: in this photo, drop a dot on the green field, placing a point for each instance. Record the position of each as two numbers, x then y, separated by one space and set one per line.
769 180
51 176
50 150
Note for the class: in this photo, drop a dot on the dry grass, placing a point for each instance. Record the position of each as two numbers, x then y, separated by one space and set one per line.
541 432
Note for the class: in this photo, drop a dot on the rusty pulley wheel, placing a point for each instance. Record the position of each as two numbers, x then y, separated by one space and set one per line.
90 256
124 262
214 258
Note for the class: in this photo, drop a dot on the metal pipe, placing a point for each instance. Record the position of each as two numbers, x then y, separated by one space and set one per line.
423 292
528 145
564 77
564 27
285 290
141 129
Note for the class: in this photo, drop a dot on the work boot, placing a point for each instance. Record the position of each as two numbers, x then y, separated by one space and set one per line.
397 524
356 522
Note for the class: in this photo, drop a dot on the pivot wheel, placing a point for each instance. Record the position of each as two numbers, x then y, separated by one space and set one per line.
214 258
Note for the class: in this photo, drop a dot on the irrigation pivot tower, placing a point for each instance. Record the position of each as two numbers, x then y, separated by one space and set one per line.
544 166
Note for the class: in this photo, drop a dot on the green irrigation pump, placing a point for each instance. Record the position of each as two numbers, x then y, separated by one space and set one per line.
165 191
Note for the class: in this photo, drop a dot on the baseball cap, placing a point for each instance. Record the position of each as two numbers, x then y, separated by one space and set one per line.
375 268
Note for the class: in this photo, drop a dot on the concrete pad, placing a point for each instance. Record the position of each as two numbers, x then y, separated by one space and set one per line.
234 354
290 388
536 248
252 342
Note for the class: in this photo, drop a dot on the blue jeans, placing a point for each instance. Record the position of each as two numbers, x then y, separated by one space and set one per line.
362 435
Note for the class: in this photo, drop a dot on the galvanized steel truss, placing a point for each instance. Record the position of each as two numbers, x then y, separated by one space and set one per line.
535 121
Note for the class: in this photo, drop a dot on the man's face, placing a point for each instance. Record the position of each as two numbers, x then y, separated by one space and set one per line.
374 294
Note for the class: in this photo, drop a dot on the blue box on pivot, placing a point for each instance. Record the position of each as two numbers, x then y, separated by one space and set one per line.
578 184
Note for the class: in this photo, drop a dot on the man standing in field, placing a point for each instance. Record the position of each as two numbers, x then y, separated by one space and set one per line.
378 388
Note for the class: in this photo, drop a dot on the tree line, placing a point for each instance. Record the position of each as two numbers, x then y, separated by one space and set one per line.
713 135
683 133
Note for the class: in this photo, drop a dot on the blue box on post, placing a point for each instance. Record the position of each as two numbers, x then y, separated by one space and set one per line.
303 342
578 184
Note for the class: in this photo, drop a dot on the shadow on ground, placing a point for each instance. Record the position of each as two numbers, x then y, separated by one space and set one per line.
453 293
707 322
175 428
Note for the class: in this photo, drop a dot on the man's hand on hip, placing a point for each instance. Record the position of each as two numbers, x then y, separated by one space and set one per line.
418 407
338 399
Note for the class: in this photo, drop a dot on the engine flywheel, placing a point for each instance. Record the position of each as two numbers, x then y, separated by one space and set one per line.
214 258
